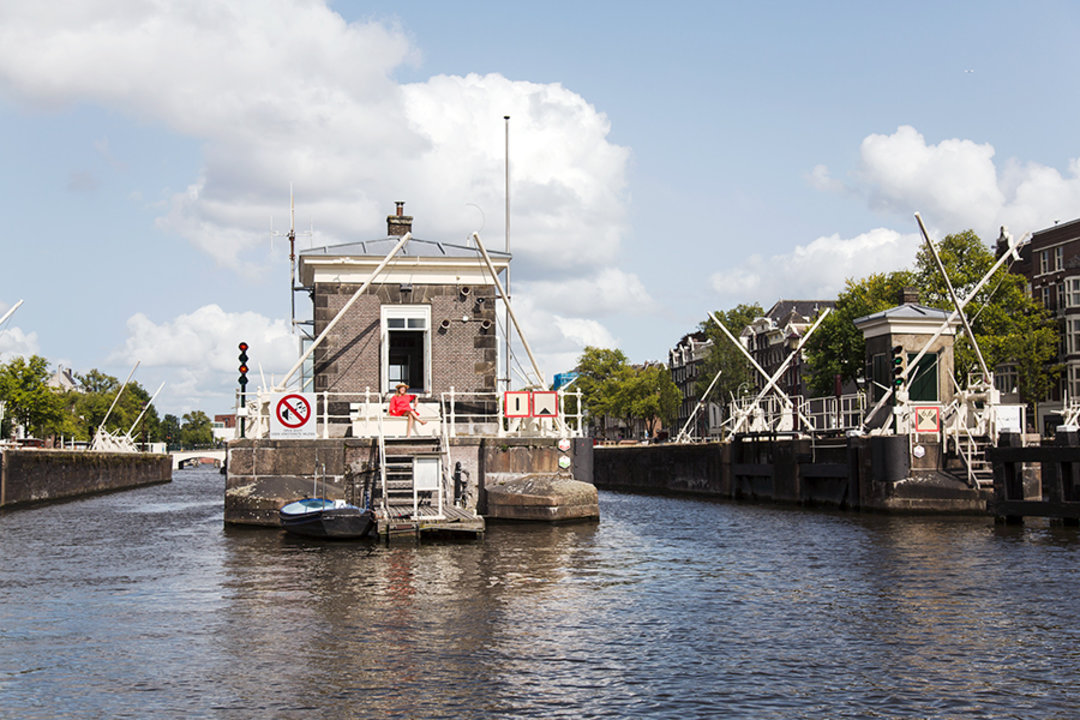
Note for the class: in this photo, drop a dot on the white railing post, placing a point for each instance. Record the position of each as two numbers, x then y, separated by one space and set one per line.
453 413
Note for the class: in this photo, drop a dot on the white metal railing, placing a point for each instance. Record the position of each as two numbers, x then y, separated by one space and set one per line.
776 414
835 413
364 414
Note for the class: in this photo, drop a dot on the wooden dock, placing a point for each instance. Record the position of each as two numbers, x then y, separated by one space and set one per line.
399 520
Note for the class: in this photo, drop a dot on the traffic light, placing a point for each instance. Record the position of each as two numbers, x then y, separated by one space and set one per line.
243 365
899 365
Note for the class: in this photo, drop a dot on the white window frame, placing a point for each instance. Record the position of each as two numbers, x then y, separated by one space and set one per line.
1059 258
1072 335
1074 381
1072 292
1044 262
416 317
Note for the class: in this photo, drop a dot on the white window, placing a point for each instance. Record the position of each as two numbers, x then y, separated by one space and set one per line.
1072 333
1044 262
406 347
1072 292
1059 258
1074 381
1005 378
1046 297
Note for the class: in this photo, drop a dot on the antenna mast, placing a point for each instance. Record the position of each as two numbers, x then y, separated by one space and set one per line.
506 324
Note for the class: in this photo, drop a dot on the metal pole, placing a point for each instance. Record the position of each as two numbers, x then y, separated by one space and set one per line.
10 312
115 399
956 302
506 299
506 323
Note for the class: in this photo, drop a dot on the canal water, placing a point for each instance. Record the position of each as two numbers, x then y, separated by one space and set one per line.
143 605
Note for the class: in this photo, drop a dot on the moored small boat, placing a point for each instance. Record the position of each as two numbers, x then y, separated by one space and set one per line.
331 519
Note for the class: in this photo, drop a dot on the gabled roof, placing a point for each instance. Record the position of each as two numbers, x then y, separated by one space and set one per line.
414 248
783 309
907 311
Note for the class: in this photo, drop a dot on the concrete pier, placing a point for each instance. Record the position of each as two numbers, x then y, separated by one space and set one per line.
501 478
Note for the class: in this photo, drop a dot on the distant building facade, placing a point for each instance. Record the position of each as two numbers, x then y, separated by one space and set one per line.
774 336
1051 264
686 361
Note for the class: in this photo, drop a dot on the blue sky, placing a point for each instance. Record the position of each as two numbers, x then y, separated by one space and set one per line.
665 160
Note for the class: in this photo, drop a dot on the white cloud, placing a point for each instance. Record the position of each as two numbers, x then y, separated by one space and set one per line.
197 353
820 179
16 343
956 185
556 340
816 271
606 292
285 91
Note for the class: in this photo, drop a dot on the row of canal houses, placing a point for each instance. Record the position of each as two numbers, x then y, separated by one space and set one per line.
1051 264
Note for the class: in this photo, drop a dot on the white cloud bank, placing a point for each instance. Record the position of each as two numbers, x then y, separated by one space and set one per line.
955 185
197 353
284 92
815 271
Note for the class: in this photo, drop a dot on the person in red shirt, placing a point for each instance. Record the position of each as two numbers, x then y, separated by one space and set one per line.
401 405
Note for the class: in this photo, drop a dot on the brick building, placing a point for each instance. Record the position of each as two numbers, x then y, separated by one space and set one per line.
427 320
685 361
1051 264
772 337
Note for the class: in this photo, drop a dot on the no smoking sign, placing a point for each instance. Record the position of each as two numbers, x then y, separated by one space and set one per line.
292 416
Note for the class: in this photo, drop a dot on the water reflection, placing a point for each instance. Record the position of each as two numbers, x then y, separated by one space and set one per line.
143 604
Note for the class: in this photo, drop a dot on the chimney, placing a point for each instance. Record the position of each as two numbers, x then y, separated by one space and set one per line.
909 295
399 223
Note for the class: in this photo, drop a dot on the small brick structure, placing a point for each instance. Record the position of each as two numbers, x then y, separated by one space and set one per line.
428 318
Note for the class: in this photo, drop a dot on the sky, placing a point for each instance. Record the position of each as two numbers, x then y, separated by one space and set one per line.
665 160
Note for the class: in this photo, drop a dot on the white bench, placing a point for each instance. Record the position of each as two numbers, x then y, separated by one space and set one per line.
365 419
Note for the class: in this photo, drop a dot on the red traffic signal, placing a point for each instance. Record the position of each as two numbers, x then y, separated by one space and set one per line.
243 364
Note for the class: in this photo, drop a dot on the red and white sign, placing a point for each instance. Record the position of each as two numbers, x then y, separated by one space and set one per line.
292 416
927 419
545 404
516 404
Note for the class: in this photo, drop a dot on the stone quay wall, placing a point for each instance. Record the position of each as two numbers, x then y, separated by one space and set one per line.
861 473
36 476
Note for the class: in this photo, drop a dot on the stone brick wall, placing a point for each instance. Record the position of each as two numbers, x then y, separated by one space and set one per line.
463 354
32 476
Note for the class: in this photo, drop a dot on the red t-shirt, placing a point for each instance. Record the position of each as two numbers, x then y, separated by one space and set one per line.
401 404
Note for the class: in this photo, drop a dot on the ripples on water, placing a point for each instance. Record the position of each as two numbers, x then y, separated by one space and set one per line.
141 604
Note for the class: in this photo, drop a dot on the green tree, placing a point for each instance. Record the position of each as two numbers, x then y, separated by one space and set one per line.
170 429
724 357
1009 326
196 429
29 400
649 394
837 347
601 371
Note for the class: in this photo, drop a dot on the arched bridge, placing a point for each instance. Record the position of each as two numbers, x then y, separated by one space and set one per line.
192 458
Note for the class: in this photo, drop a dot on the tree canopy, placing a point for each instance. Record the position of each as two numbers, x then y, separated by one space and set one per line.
1010 327
611 387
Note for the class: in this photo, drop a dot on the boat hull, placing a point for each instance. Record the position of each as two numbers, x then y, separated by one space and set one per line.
318 518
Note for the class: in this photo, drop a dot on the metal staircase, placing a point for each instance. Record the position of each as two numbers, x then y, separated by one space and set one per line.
968 462
411 478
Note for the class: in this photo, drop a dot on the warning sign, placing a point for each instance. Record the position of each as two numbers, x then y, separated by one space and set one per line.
927 419
516 404
545 404
292 416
